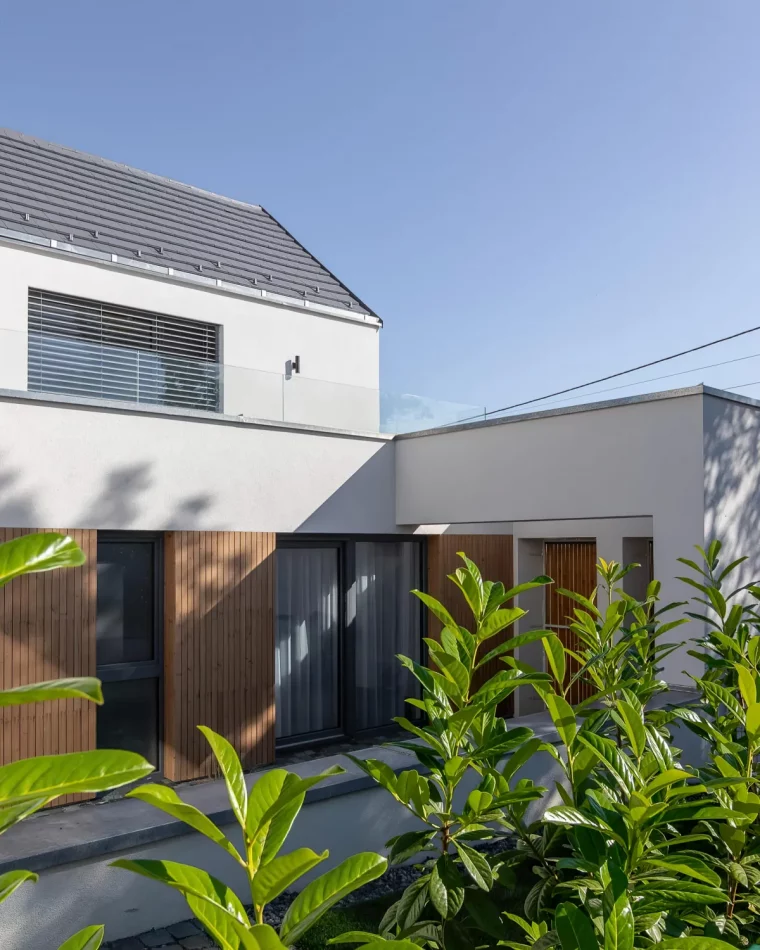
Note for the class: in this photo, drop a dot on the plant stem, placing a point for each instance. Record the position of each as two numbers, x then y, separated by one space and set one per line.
731 905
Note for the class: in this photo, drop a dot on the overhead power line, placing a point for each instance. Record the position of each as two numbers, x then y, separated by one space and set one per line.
604 379
654 379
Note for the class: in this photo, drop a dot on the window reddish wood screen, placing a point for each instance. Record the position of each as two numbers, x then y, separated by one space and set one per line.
218 648
572 566
47 631
493 555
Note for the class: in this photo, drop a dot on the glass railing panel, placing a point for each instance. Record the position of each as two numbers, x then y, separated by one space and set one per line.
68 366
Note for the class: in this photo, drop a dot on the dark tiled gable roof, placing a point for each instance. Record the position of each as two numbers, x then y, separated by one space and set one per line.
57 193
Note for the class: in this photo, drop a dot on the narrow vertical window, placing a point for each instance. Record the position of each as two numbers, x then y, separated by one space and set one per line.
128 644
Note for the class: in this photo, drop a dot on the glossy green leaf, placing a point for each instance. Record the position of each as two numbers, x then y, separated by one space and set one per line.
276 876
499 620
614 759
409 844
10 814
320 895
188 881
470 584
694 943
83 687
665 780
232 770
453 670
88 939
665 895
512 644
52 775
574 929
562 715
38 552
753 722
265 792
633 724
567 815
265 938
380 944
720 696
522 755
555 656
358 936
436 608
380 771
226 930
12 880
691 867
747 684
477 866
167 800
586 602
617 911
438 891
735 838
294 788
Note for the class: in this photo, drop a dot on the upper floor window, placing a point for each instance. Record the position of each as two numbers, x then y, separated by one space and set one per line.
86 348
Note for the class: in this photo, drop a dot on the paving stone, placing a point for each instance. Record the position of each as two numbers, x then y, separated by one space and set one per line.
128 943
184 929
157 938
200 942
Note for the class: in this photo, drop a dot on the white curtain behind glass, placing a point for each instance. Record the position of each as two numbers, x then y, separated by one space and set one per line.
306 650
387 623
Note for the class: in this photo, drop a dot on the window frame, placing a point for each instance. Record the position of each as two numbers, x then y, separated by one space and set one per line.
158 329
143 669
346 545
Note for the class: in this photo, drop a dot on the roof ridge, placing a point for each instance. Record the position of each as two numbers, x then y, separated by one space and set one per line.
123 167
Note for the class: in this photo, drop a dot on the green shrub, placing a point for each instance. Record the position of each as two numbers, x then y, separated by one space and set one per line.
265 816
620 862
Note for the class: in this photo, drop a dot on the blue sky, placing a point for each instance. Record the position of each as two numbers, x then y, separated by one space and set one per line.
529 194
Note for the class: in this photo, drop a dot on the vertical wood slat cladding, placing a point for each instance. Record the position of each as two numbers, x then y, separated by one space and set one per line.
493 555
572 565
47 631
218 648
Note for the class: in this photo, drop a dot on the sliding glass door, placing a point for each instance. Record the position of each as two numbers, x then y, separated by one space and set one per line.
344 610
388 622
307 645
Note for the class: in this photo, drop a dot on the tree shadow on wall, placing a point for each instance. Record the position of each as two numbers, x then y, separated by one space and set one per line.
732 482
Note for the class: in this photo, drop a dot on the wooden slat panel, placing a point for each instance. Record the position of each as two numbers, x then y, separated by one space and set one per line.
572 566
47 630
493 555
219 648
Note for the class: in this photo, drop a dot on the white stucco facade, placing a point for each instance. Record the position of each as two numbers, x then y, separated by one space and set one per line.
679 467
339 357
96 468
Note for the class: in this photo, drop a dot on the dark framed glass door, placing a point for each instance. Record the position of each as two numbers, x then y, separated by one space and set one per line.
129 636
307 640
344 610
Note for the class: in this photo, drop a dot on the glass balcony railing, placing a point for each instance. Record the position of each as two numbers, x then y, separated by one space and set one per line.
48 363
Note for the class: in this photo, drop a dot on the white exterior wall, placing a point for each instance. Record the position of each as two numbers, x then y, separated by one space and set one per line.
340 363
632 460
732 482
76 467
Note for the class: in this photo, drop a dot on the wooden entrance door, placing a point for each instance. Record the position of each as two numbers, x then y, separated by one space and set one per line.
572 566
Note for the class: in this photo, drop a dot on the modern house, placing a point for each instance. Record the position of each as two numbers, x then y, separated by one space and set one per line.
195 397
